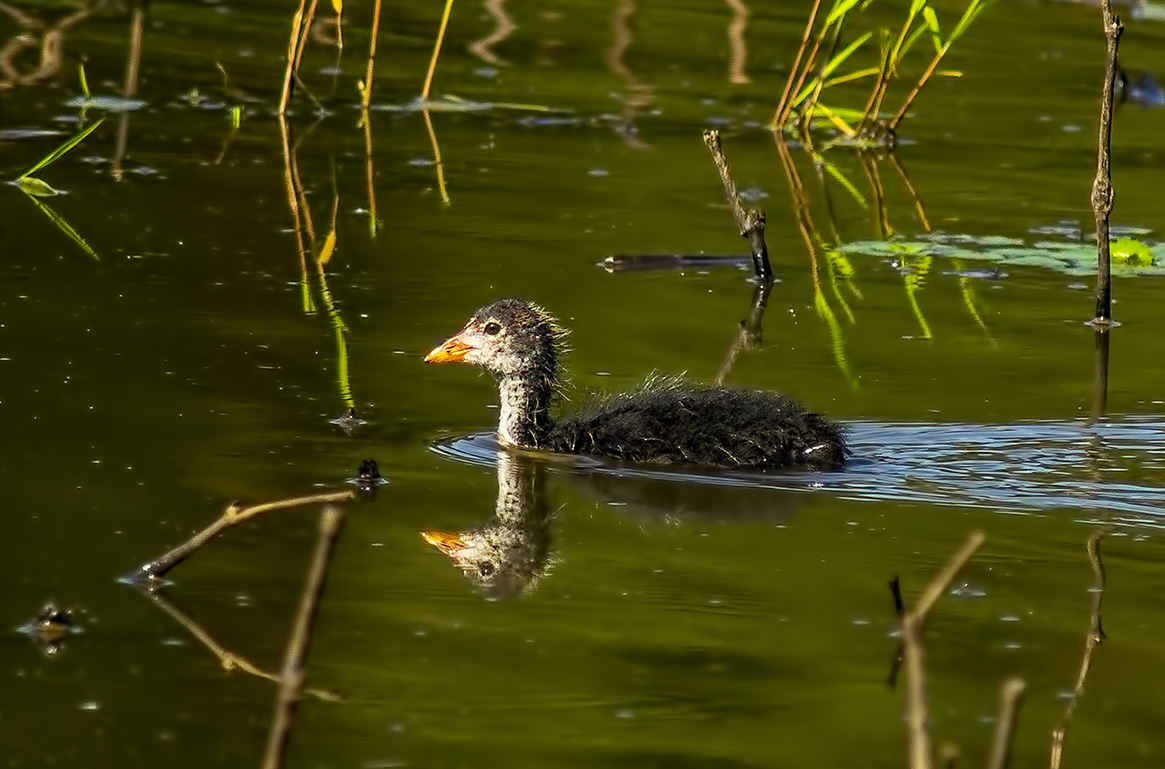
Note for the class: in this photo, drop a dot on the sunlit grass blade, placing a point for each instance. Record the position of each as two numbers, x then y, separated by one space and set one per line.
59 151
849 77
64 227
830 67
936 35
84 82
840 8
837 120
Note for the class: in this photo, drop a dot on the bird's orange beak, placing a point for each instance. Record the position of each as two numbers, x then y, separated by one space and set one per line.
447 542
454 349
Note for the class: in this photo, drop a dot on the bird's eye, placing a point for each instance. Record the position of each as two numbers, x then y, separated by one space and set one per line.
493 328
485 568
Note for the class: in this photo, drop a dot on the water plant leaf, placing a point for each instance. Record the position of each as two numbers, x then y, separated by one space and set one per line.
1066 257
1131 251
35 187
857 74
840 9
236 114
457 104
830 66
61 150
834 117
931 19
84 81
115 104
974 8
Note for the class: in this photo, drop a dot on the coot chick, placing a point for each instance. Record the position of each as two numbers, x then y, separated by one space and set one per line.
665 420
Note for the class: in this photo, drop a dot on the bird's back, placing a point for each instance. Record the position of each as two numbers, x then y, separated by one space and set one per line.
677 423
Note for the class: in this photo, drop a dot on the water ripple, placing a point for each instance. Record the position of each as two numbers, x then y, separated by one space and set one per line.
1116 467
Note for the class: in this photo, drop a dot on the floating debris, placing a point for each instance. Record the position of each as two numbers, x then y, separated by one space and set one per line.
50 628
368 477
349 422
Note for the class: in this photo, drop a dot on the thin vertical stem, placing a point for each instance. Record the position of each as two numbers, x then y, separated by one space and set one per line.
292 44
1102 191
778 116
436 50
367 95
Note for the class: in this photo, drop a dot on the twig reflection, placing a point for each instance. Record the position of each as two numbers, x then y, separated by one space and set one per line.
1093 638
321 253
504 26
227 658
912 620
638 94
436 157
737 74
130 88
50 43
295 657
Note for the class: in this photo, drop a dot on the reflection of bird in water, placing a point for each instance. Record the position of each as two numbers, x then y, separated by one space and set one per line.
508 555
665 420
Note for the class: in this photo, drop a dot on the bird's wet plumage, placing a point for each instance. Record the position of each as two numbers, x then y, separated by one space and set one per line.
666 420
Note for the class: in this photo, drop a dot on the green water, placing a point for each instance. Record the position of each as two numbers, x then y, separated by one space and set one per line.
698 620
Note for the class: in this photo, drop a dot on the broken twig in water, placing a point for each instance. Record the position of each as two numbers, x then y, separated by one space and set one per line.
1094 638
750 221
292 675
150 573
1102 191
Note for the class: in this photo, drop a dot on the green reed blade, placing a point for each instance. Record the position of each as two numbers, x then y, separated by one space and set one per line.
936 34
68 145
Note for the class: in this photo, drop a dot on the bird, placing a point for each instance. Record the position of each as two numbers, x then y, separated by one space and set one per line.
665 420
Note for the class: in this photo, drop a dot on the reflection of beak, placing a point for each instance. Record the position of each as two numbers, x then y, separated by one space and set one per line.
453 350
448 542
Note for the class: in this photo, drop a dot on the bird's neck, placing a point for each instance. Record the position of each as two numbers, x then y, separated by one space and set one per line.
524 402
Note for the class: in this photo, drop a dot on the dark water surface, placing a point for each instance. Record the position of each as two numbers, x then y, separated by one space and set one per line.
669 619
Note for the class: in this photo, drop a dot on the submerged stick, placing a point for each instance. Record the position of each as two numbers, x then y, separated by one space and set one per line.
750 221
292 675
235 514
1094 637
1102 191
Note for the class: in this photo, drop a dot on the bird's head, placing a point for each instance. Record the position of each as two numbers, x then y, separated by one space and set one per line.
511 337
